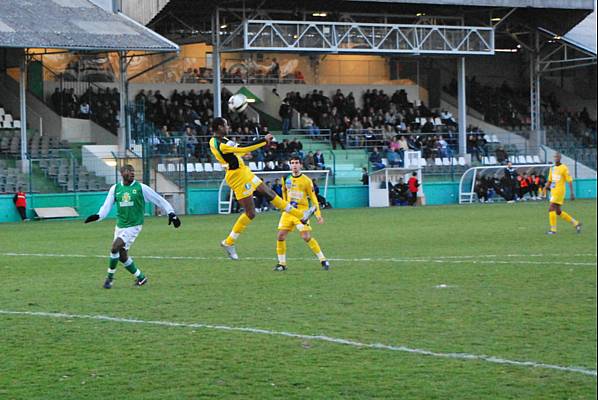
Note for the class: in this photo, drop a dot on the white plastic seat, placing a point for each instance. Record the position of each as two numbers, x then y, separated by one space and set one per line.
217 167
493 160
521 159
190 167
529 159
536 159
171 168
198 167
271 164
454 161
208 167
260 165
16 124
385 161
252 166
446 161
438 161
422 162
461 161
161 168
8 118
437 121
486 160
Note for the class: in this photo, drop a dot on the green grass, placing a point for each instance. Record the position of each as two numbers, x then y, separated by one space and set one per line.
537 304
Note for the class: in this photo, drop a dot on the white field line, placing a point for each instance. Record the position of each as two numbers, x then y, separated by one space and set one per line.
348 342
439 260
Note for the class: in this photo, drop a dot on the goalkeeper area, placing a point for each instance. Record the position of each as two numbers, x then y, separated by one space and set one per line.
444 302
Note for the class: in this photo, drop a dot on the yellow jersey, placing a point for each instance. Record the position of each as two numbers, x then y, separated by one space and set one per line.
298 191
558 176
229 153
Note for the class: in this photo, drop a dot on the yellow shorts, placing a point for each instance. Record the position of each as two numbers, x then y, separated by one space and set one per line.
242 181
288 223
557 198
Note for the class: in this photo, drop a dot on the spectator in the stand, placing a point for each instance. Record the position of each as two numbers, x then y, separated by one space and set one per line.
20 200
443 147
309 162
393 158
447 118
319 160
413 185
274 71
365 178
376 159
501 155
428 126
190 141
285 112
308 123
84 110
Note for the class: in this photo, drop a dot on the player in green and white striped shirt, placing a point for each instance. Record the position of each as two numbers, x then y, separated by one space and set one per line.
130 197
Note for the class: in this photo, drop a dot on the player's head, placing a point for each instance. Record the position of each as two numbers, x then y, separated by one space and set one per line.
414 173
557 158
220 126
295 163
127 171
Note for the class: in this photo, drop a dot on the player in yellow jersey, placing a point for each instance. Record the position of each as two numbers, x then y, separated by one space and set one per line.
243 182
298 190
558 175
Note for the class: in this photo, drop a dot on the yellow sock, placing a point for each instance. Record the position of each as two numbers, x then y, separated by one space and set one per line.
282 205
315 247
281 251
568 218
552 220
242 222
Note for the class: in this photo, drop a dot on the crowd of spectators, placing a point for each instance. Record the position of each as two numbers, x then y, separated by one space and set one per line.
390 122
509 108
101 105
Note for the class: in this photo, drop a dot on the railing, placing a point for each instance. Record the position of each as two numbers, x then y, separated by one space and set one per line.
96 93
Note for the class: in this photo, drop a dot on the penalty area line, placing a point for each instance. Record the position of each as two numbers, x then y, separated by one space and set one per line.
323 338
481 259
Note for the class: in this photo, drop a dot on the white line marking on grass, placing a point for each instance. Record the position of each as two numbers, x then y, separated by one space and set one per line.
348 342
439 260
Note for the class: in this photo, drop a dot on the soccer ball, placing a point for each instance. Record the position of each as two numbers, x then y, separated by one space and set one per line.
237 103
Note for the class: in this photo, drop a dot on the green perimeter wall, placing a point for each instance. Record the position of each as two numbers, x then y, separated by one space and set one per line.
205 201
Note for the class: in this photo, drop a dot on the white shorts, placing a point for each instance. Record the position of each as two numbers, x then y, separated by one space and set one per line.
128 235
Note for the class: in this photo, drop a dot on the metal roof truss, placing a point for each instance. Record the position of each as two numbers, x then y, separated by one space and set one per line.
355 37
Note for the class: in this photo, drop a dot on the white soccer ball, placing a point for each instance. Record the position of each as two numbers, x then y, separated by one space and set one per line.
237 103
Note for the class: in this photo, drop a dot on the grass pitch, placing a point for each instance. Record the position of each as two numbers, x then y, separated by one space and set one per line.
458 281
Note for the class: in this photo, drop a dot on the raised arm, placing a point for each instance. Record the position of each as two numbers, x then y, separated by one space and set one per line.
226 148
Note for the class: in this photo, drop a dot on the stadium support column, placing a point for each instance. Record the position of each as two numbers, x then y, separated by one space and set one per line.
462 117
536 138
122 120
23 111
216 64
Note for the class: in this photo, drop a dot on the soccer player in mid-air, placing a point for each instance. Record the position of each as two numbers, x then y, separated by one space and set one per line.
298 190
130 197
558 175
243 182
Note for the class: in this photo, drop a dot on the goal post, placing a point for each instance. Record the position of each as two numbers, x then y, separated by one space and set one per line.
225 195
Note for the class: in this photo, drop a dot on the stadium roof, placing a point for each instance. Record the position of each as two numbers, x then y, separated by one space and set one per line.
74 25
566 4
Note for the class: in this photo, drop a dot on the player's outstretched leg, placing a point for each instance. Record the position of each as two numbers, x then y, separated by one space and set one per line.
282 205
315 248
576 224
141 279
